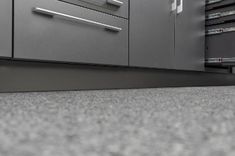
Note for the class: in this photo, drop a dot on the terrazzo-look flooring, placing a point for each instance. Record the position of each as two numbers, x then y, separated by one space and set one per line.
147 122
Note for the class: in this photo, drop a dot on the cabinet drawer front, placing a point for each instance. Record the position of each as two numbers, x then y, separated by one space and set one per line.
56 31
221 43
221 15
113 7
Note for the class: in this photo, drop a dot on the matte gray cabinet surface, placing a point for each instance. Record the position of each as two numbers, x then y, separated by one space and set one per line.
57 31
151 33
113 7
164 37
190 36
5 28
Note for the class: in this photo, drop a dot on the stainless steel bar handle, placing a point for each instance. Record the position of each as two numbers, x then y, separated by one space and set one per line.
220 14
213 16
180 7
208 2
53 13
220 60
220 31
214 31
213 60
174 5
115 2
227 30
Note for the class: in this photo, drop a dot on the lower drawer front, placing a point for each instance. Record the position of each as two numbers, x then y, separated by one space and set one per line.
56 31
221 44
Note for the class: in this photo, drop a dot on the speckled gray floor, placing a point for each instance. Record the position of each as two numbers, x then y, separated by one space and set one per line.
149 122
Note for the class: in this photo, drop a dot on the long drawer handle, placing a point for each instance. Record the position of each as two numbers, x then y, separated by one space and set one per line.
115 2
53 13
208 2
220 31
180 7
220 60
219 15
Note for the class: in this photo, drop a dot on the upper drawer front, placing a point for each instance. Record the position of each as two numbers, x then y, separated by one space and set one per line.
114 7
220 15
55 31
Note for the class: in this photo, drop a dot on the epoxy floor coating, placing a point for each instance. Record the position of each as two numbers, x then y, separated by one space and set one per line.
146 122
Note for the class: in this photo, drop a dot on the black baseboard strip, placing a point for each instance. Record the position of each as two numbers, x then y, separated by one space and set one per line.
17 76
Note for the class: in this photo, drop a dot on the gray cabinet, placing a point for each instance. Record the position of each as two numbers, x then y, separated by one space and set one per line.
163 36
57 31
151 33
190 36
5 28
